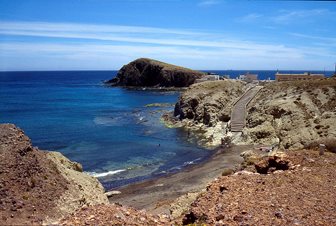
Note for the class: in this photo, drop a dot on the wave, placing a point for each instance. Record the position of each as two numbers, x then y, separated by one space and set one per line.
192 162
104 174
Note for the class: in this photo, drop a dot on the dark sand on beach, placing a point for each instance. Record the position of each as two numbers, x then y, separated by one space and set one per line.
157 194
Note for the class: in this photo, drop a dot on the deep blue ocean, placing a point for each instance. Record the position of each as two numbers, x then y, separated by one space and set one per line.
108 130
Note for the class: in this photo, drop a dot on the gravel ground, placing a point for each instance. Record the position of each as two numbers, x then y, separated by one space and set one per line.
303 195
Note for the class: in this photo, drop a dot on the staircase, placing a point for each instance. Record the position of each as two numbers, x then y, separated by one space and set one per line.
238 114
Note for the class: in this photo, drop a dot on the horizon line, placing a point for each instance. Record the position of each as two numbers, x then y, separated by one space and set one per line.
205 70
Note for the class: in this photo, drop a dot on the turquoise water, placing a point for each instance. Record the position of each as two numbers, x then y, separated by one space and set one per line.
108 130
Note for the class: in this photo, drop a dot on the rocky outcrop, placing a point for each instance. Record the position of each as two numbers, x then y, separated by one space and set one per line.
208 102
40 187
292 114
300 178
204 108
83 189
152 73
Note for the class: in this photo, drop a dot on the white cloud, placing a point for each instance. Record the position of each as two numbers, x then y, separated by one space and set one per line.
322 38
208 3
287 16
76 27
162 36
250 17
89 46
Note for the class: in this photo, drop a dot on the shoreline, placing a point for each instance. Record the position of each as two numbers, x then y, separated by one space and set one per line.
147 88
157 194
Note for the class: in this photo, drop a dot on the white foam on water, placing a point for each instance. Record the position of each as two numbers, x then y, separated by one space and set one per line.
104 174
191 162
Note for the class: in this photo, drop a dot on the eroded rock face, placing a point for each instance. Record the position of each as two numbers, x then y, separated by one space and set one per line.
40 187
152 73
204 109
209 102
293 114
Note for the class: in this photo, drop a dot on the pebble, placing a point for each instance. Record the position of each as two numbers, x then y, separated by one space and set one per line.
278 214
142 219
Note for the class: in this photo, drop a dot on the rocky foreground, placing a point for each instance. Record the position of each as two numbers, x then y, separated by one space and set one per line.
146 72
40 187
291 188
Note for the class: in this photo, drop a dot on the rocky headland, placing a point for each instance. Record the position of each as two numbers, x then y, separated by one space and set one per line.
144 72
289 115
204 110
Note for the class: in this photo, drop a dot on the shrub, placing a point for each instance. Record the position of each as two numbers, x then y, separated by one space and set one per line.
227 172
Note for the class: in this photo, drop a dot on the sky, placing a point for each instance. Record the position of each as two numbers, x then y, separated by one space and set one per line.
200 34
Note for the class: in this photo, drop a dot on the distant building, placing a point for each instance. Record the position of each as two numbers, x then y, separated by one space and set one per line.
296 77
248 77
208 77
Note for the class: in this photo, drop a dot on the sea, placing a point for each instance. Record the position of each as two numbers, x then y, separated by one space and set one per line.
115 133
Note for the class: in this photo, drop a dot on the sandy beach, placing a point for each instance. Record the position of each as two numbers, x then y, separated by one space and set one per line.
156 195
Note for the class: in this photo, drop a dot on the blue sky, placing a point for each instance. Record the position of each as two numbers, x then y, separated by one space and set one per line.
200 34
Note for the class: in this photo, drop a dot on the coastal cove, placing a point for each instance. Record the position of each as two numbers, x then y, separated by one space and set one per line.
115 133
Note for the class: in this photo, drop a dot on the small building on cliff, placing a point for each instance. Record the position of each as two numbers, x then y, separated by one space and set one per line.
248 77
208 77
296 77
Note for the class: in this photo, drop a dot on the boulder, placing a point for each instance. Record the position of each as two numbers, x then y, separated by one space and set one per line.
277 161
152 73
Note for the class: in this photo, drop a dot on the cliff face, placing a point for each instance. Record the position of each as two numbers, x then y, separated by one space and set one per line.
40 187
290 114
152 73
208 102
204 108
293 114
